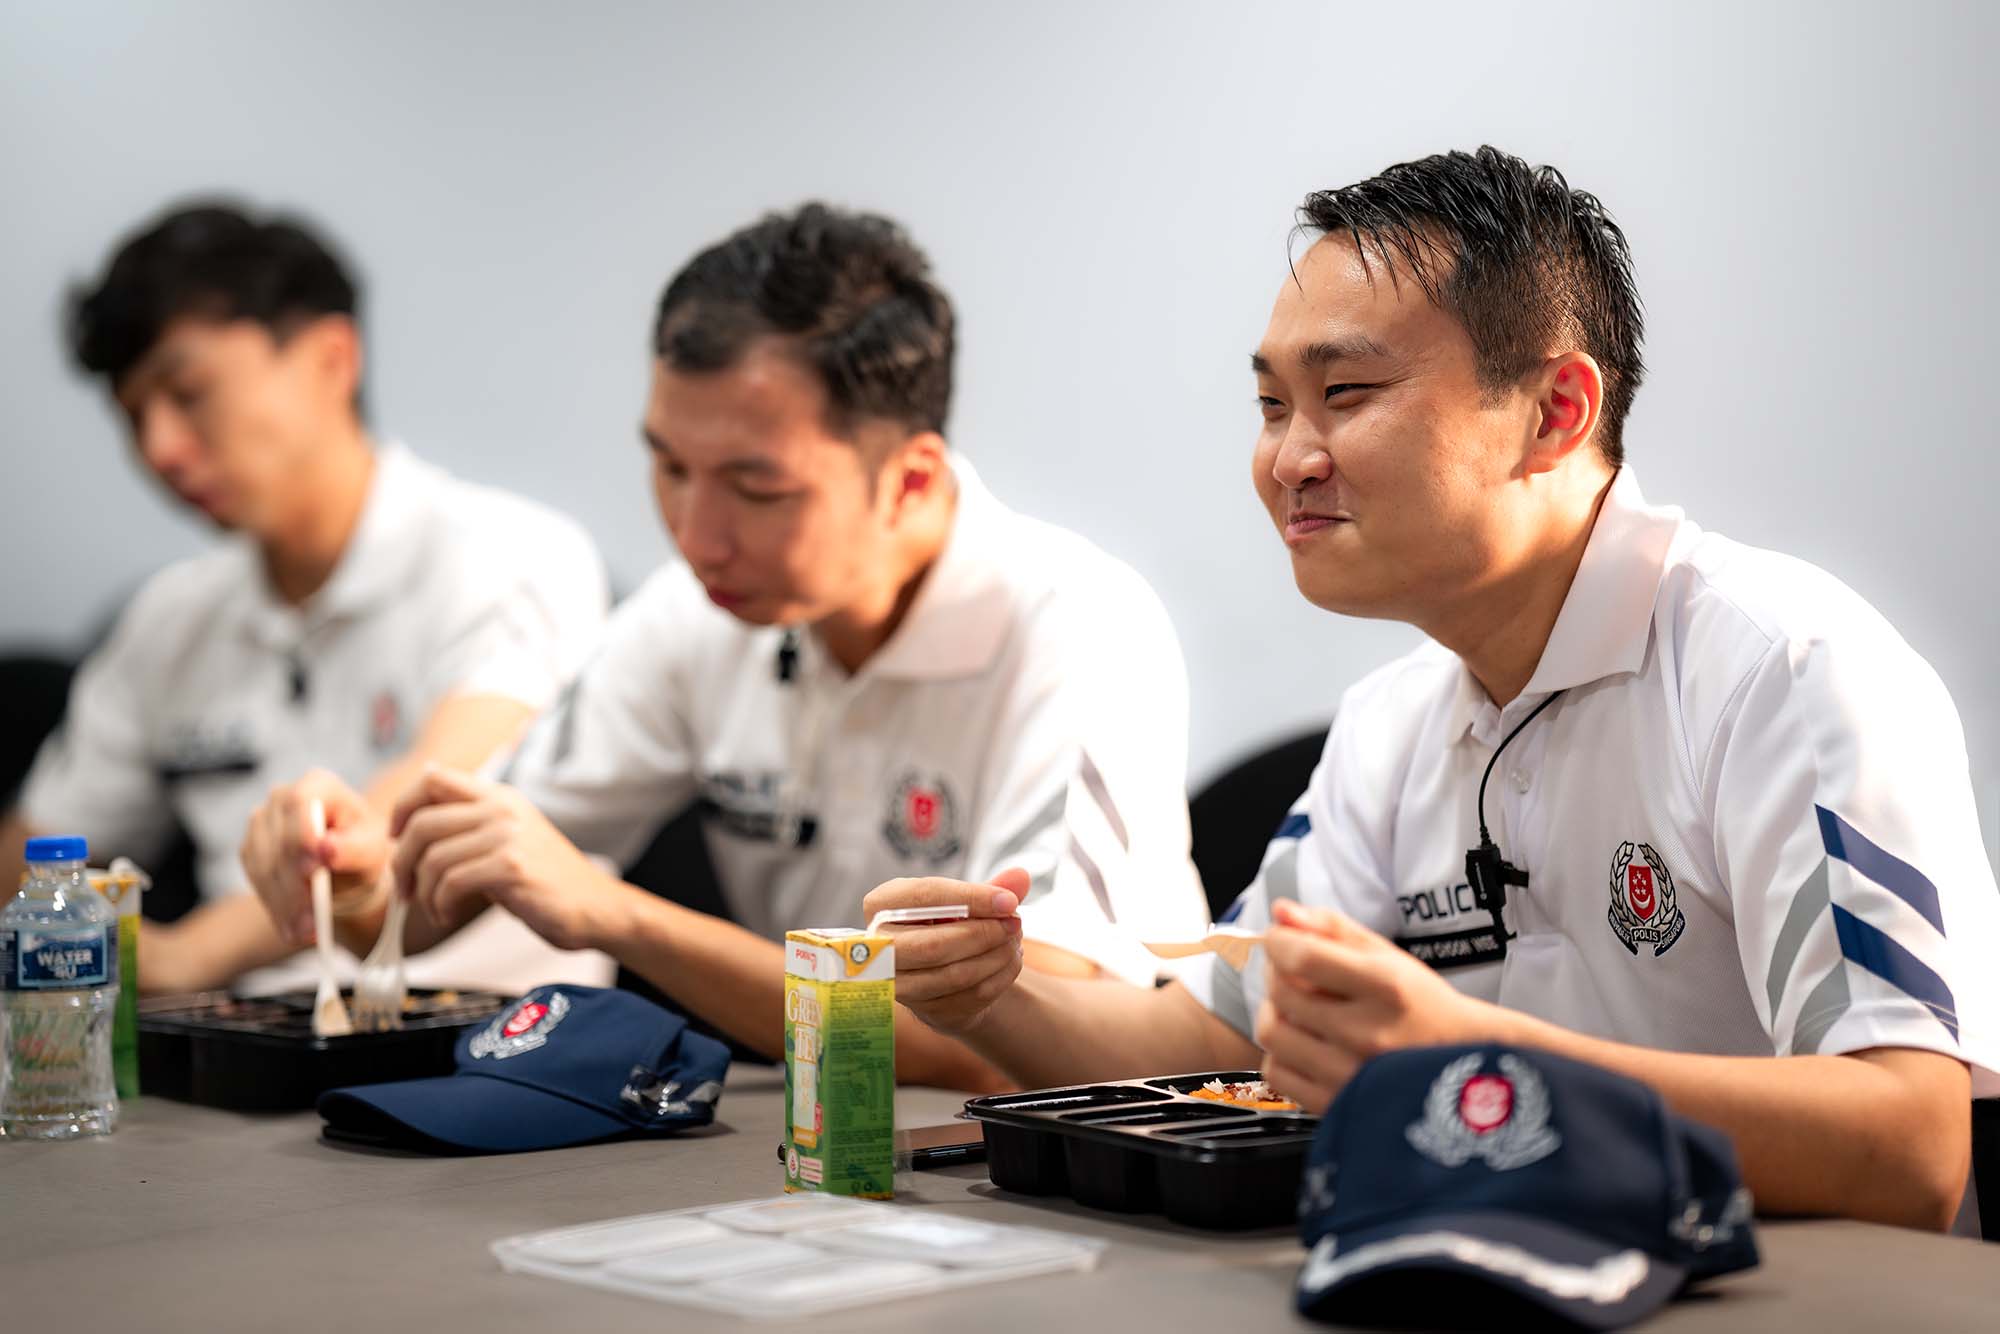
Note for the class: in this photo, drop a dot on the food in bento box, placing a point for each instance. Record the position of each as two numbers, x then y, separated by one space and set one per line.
1253 1093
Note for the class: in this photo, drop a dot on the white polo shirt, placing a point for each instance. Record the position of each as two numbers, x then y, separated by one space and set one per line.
1031 710
210 690
1748 823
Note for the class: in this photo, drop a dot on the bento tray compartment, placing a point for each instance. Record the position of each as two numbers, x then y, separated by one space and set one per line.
1026 1162
1256 1192
1148 1145
1159 1114
259 1053
1073 1099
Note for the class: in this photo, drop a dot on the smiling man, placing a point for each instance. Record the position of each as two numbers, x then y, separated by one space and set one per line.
367 613
1651 799
865 666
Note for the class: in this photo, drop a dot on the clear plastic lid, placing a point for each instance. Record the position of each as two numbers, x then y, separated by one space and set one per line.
949 912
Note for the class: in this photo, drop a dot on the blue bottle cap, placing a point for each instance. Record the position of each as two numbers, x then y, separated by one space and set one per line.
65 849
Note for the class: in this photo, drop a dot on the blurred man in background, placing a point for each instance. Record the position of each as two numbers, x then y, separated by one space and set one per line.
367 613
865 666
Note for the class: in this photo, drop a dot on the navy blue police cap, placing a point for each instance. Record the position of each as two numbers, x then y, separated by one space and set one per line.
563 1065
1490 1186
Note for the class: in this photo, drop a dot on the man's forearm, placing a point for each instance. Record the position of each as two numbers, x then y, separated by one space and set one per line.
1046 1031
1882 1135
212 946
735 980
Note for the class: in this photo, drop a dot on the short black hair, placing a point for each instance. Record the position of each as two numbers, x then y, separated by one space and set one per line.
1522 261
212 260
850 291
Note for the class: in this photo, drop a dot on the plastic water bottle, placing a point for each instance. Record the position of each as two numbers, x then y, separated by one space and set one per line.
58 994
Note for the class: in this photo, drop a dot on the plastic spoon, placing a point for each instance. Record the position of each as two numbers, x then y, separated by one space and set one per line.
1233 943
330 1019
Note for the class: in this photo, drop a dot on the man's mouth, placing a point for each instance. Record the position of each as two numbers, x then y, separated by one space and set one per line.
208 500
1303 524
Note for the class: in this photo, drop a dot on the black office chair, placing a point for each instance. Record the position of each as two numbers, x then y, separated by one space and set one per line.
1986 1164
36 688
1231 820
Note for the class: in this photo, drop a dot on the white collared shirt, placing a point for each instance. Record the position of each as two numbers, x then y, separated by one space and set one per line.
210 690
1031 710
1748 821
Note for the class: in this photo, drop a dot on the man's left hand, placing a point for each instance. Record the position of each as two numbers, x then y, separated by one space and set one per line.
1339 994
462 841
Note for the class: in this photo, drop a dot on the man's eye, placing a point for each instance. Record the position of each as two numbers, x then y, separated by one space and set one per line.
764 497
1269 404
1334 391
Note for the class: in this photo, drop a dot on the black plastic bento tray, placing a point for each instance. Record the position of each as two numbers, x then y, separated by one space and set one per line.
259 1053
1146 1146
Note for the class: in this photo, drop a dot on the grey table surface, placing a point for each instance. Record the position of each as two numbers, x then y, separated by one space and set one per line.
193 1219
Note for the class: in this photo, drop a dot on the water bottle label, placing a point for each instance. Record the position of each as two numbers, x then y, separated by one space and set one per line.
59 960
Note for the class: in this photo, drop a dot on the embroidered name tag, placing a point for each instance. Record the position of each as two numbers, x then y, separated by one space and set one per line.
1457 949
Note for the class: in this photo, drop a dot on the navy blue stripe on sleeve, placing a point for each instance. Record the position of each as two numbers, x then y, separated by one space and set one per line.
1872 949
1894 874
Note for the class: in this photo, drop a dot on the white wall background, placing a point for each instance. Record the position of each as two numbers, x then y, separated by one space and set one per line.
1107 191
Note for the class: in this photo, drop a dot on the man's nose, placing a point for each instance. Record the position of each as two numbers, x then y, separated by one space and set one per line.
703 532
1303 457
165 438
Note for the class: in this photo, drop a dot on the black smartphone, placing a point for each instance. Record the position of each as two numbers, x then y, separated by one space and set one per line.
939 1145
943 1145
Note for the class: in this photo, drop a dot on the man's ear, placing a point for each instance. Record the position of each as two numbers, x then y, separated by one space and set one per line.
1569 401
915 469
329 352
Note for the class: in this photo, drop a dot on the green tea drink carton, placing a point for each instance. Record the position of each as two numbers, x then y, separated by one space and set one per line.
123 885
840 1062
840 1055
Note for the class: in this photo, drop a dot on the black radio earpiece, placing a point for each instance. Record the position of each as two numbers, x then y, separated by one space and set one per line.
788 656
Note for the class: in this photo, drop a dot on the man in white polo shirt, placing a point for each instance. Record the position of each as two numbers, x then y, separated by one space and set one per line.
865 666
1728 845
369 615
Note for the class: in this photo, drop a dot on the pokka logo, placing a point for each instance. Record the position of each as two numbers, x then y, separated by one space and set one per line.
1501 1119
1644 908
522 1029
923 818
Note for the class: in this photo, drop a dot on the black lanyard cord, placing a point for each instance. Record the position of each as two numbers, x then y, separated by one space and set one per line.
1486 870
1483 837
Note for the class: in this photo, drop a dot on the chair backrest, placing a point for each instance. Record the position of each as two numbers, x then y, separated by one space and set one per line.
676 866
36 688
1232 818
1986 1164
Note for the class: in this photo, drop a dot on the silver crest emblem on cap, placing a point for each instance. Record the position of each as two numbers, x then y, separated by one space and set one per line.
1521 1134
495 1041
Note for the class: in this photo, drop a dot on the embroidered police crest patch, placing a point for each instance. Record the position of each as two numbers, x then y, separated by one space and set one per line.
521 1029
385 722
1501 1119
1644 909
922 823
